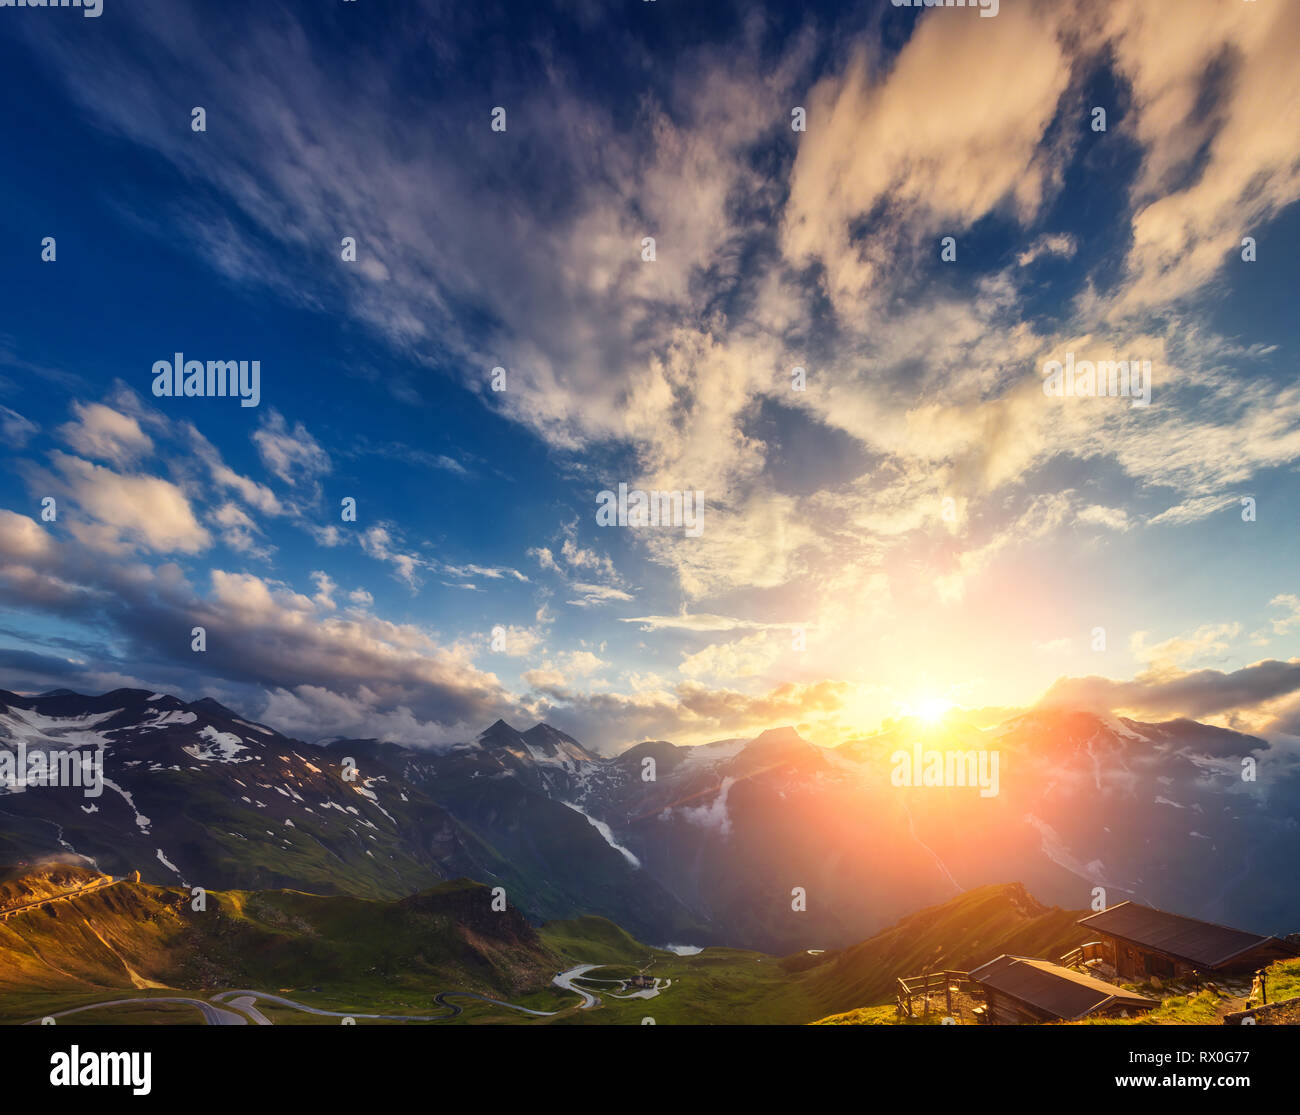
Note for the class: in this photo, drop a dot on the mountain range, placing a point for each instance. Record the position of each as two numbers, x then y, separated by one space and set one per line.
718 844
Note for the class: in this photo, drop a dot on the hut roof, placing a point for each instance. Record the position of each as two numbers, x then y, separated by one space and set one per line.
1201 943
1055 990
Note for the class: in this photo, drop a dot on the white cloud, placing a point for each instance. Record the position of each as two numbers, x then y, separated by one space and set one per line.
238 531
254 494
1058 244
102 432
292 454
702 622
16 430
22 538
712 814
592 595
123 511
378 542
741 658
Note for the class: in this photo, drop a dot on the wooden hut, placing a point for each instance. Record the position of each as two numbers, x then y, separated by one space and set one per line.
1143 942
1022 989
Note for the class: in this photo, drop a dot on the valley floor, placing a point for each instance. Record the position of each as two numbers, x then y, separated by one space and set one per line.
95 950
725 990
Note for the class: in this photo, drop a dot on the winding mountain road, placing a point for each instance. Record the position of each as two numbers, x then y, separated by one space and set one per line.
237 998
441 997
236 1007
243 1000
565 980
212 1015
98 884
245 1005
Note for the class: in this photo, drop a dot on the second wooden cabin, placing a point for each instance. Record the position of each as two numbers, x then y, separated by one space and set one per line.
1020 989
1142 942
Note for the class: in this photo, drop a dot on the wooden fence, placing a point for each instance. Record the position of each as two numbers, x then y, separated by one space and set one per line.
932 982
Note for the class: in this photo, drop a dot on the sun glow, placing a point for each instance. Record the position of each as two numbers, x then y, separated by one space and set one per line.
930 709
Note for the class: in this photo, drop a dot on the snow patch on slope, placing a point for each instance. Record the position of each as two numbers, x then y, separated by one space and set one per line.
218 747
168 718
51 732
608 834
1055 849
170 866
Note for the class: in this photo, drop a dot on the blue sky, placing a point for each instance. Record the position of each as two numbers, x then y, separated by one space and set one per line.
919 524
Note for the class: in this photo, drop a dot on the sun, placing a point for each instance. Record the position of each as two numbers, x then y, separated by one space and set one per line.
931 709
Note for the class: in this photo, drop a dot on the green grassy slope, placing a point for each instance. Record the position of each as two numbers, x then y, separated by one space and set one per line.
735 986
959 934
367 955
593 940
1208 1005
136 937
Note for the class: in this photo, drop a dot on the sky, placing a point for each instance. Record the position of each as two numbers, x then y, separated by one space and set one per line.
909 522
